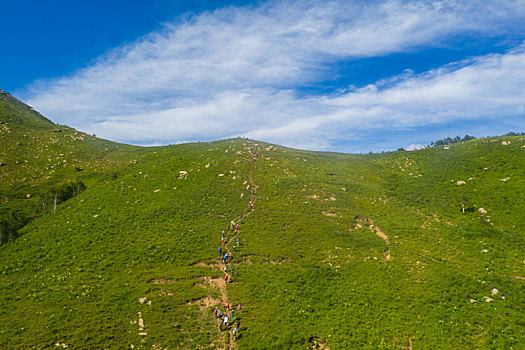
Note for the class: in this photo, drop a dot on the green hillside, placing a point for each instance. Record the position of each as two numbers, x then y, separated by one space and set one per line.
42 163
401 250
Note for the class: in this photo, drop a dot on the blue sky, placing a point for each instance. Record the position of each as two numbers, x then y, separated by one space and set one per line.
351 76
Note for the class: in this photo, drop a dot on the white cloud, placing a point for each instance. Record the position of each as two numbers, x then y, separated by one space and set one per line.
235 71
414 147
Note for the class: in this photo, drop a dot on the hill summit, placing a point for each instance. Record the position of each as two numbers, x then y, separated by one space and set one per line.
107 245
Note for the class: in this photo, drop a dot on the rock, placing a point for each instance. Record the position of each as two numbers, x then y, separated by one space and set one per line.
142 300
221 174
505 179
482 211
488 299
494 291
460 183
484 251
505 143
473 301
157 190
208 165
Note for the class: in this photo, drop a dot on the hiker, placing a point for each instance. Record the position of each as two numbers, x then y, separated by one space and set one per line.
235 331
215 312
220 249
237 240
227 305
225 268
228 227
226 321
222 240
232 270
222 233
237 226
233 315
240 308
234 247
226 278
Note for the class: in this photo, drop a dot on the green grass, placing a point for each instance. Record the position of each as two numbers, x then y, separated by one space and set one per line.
304 268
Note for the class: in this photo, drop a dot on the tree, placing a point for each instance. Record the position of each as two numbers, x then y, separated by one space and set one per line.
465 203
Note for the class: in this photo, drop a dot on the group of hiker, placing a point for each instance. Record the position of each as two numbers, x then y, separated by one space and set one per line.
227 318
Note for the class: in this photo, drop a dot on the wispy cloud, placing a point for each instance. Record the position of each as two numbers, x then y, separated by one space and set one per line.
237 71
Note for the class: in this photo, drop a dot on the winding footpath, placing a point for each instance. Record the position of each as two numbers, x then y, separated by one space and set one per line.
222 283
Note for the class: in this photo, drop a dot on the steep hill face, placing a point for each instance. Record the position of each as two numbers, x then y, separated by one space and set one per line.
42 164
416 249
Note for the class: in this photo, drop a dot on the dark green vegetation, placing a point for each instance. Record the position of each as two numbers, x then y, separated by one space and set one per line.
450 141
354 251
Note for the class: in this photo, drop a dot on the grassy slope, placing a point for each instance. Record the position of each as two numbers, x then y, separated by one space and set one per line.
83 269
35 159
423 294
304 268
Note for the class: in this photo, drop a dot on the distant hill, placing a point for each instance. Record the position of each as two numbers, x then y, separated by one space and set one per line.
420 249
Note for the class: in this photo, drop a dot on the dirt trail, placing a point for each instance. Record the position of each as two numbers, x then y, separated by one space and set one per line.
360 221
384 237
221 285
221 282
